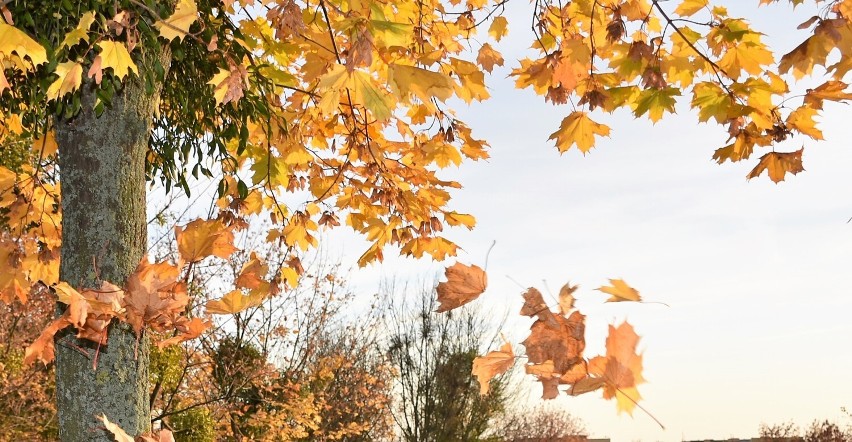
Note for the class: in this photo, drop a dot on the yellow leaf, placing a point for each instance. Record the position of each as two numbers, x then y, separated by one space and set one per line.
233 302
492 364
424 84
202 238
655 102
81 32
620 291
367 94
44 146
778 164
70 75
459 219
690 7
177 25
114 55
578 129
802 120
498 28
12 40
464 284
566 298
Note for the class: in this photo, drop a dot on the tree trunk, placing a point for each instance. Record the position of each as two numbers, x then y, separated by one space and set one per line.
104 236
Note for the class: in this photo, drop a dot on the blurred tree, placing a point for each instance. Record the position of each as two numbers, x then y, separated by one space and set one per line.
540 424
437 397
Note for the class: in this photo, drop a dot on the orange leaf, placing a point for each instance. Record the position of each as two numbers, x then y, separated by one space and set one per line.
42 348
621 370
464 284
620 291
492 364
778 164
202 238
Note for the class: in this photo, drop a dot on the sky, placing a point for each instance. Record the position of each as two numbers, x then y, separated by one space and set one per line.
756 275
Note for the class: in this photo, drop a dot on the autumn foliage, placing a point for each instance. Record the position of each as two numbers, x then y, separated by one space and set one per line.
317 114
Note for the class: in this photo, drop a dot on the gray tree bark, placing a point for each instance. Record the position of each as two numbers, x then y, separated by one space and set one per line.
104 236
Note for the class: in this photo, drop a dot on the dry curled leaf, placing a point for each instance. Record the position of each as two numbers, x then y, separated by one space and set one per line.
620 291
464 284
492 364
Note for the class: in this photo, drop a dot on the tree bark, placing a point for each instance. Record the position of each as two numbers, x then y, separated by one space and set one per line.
104 236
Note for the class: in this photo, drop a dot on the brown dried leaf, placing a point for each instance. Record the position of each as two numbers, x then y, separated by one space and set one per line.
464 284
492 364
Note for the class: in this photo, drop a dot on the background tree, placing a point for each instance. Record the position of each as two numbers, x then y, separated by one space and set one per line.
437 397
538 424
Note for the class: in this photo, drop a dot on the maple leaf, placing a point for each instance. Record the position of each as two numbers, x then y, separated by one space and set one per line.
202 238
620 291
14 41
498 28
802 120
113 55
119 434
228 84
778 164
81 32
621 369
689 7
42 348
488 57
492 364
577 128
566 298
831 90
151 292
557 339
233 302
70 76
177 25
423 83
191 330
534 305
464 284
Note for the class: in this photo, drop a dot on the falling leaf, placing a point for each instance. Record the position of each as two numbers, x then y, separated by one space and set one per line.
494 363
620 291
464 284
202 238
566 298
621 369
778 164
177 25
488 57
498 28
233 302
557 339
